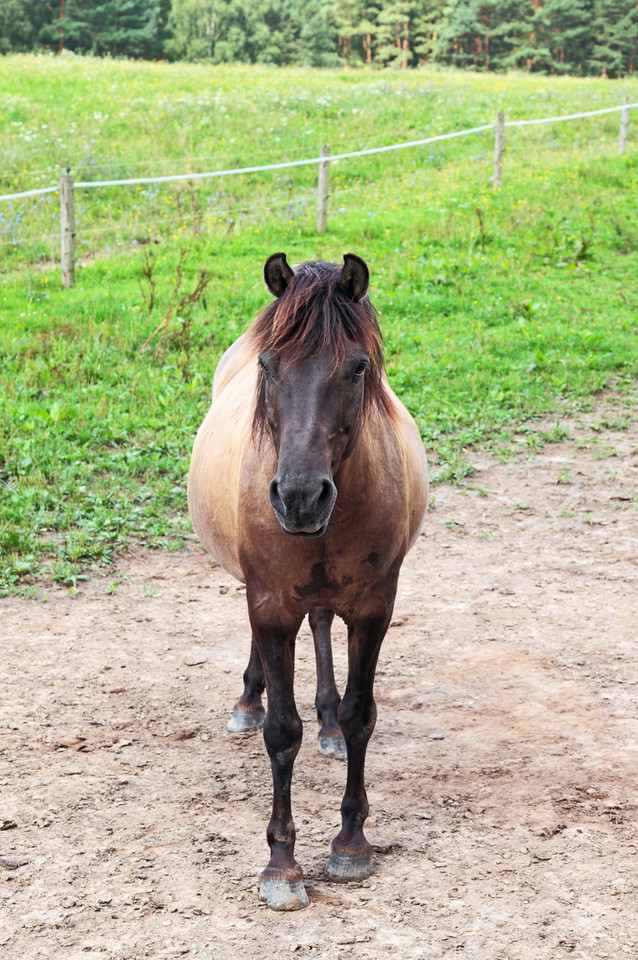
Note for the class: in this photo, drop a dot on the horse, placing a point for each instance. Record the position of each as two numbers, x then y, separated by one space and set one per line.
308 482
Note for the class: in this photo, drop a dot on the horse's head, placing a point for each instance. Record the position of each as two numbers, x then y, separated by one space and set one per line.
320 365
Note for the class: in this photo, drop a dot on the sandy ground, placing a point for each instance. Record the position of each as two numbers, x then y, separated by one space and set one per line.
502 775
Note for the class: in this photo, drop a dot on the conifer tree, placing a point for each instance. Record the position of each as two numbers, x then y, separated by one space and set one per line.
117 27
134 27
277 32
20 24
459 31
570 34
393 34
561 31
615 47
318 46
509 33
346 17
68 28
425 29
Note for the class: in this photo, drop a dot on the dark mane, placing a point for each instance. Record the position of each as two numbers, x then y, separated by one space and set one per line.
312 314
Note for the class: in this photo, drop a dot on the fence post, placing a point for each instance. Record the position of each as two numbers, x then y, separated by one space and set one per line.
67 229
322 190
624 127
499 146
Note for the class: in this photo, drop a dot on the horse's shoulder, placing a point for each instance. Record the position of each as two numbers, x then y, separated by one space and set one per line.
406 462
401 426
239 357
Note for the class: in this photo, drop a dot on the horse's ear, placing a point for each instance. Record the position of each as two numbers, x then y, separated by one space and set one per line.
354 278
277 273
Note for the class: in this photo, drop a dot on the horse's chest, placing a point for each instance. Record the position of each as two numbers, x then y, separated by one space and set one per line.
335 580
322 581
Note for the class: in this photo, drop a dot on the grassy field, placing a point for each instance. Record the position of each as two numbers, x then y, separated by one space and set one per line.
498 306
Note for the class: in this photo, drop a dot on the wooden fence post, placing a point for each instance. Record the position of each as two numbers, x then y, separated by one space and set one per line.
624 127
67 225
322 190
499 146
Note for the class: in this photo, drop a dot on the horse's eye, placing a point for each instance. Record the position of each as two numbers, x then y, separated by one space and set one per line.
265 370
359 370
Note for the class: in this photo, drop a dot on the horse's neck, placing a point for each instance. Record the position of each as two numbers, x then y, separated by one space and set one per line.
374 461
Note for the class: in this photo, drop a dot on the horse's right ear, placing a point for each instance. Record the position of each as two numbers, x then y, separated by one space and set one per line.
277 273
354 278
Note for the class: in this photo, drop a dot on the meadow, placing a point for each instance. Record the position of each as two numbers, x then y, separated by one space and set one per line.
498 306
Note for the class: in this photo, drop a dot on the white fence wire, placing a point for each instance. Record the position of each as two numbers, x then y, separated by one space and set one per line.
172 178
67 186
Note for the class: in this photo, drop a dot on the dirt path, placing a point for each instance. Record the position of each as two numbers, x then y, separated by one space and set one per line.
502 775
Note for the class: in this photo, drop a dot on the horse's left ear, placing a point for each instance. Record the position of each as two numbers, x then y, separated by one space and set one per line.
355 277
277 273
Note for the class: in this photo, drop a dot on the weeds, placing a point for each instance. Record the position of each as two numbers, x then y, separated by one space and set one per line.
479 217
147 281
146 591
180 308
557 434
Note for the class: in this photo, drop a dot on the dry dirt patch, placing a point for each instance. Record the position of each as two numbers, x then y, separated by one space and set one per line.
502 774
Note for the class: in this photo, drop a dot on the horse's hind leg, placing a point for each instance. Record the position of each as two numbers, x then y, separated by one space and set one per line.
248 713
351 855
331 742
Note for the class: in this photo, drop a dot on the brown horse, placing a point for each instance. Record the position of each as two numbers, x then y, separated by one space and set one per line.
308 482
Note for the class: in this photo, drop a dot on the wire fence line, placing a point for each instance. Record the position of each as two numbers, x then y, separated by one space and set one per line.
29 193
83 165
67 186
286 164
569 116
130 232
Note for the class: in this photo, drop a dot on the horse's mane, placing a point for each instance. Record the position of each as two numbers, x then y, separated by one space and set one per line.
311 315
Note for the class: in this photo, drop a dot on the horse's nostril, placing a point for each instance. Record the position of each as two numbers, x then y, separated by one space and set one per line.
325 494
276 499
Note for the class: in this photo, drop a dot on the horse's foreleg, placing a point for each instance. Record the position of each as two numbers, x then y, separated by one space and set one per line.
351 854
331 742
282 881
248 713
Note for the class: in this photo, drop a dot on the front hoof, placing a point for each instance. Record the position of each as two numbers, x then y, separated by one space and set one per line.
333 747
281 894
243 721
346 867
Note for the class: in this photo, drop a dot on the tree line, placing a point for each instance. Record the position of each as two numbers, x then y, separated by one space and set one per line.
576 37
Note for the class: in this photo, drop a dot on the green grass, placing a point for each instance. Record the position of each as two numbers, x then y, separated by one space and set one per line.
492 318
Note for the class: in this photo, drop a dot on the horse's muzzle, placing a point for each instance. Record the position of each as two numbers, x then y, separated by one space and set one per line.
303 505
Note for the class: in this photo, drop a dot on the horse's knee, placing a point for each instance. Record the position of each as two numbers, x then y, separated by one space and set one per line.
282 734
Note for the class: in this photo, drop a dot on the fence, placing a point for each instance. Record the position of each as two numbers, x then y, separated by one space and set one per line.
67 186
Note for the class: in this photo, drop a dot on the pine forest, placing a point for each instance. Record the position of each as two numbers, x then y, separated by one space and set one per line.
575 37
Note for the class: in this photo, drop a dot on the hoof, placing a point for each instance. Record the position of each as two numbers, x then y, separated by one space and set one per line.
346 867
281 894
333 747
243 721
